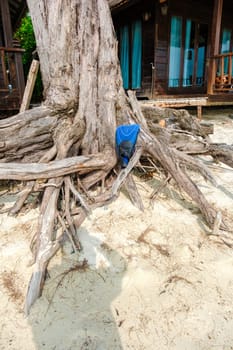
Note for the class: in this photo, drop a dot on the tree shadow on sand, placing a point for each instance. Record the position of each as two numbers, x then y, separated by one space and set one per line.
76 309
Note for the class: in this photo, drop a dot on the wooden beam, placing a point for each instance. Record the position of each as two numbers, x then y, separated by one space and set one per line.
11 49
214 43
30 85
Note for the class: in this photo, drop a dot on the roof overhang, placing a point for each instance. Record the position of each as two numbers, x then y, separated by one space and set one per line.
120 4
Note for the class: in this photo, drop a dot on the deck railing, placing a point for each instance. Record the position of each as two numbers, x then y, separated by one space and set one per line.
224 72
9 72
11 78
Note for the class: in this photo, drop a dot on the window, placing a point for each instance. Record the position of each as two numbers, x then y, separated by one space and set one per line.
188 41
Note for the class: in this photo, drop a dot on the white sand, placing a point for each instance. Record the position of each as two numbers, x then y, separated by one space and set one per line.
155 280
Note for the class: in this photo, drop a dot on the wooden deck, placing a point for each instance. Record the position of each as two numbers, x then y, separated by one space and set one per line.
225 99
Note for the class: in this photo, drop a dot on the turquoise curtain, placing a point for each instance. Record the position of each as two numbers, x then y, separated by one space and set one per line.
200 65
175 51
188 56
225 47
136 54
124 55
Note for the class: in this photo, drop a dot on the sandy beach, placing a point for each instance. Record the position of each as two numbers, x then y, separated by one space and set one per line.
152 280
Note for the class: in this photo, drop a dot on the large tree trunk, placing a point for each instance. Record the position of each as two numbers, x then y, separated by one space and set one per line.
79 65
74 130
83 88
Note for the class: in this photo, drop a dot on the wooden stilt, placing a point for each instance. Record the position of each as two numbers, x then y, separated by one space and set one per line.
199 112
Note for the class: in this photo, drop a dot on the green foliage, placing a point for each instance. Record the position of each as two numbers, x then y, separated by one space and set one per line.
25 35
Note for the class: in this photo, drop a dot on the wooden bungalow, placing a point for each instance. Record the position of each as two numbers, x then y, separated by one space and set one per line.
176 52
11 69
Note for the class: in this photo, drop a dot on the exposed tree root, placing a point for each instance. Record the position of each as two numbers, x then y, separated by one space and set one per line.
65 149
167 159
67 179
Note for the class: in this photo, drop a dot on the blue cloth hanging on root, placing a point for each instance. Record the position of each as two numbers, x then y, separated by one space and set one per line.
126 138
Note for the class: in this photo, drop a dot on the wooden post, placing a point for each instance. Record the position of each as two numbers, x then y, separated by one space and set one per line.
199 112
20 82
7 34
19 75
30 85
6 22
4 73
214 45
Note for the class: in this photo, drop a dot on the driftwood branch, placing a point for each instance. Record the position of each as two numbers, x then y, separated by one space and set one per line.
33 171
124 172
133 193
